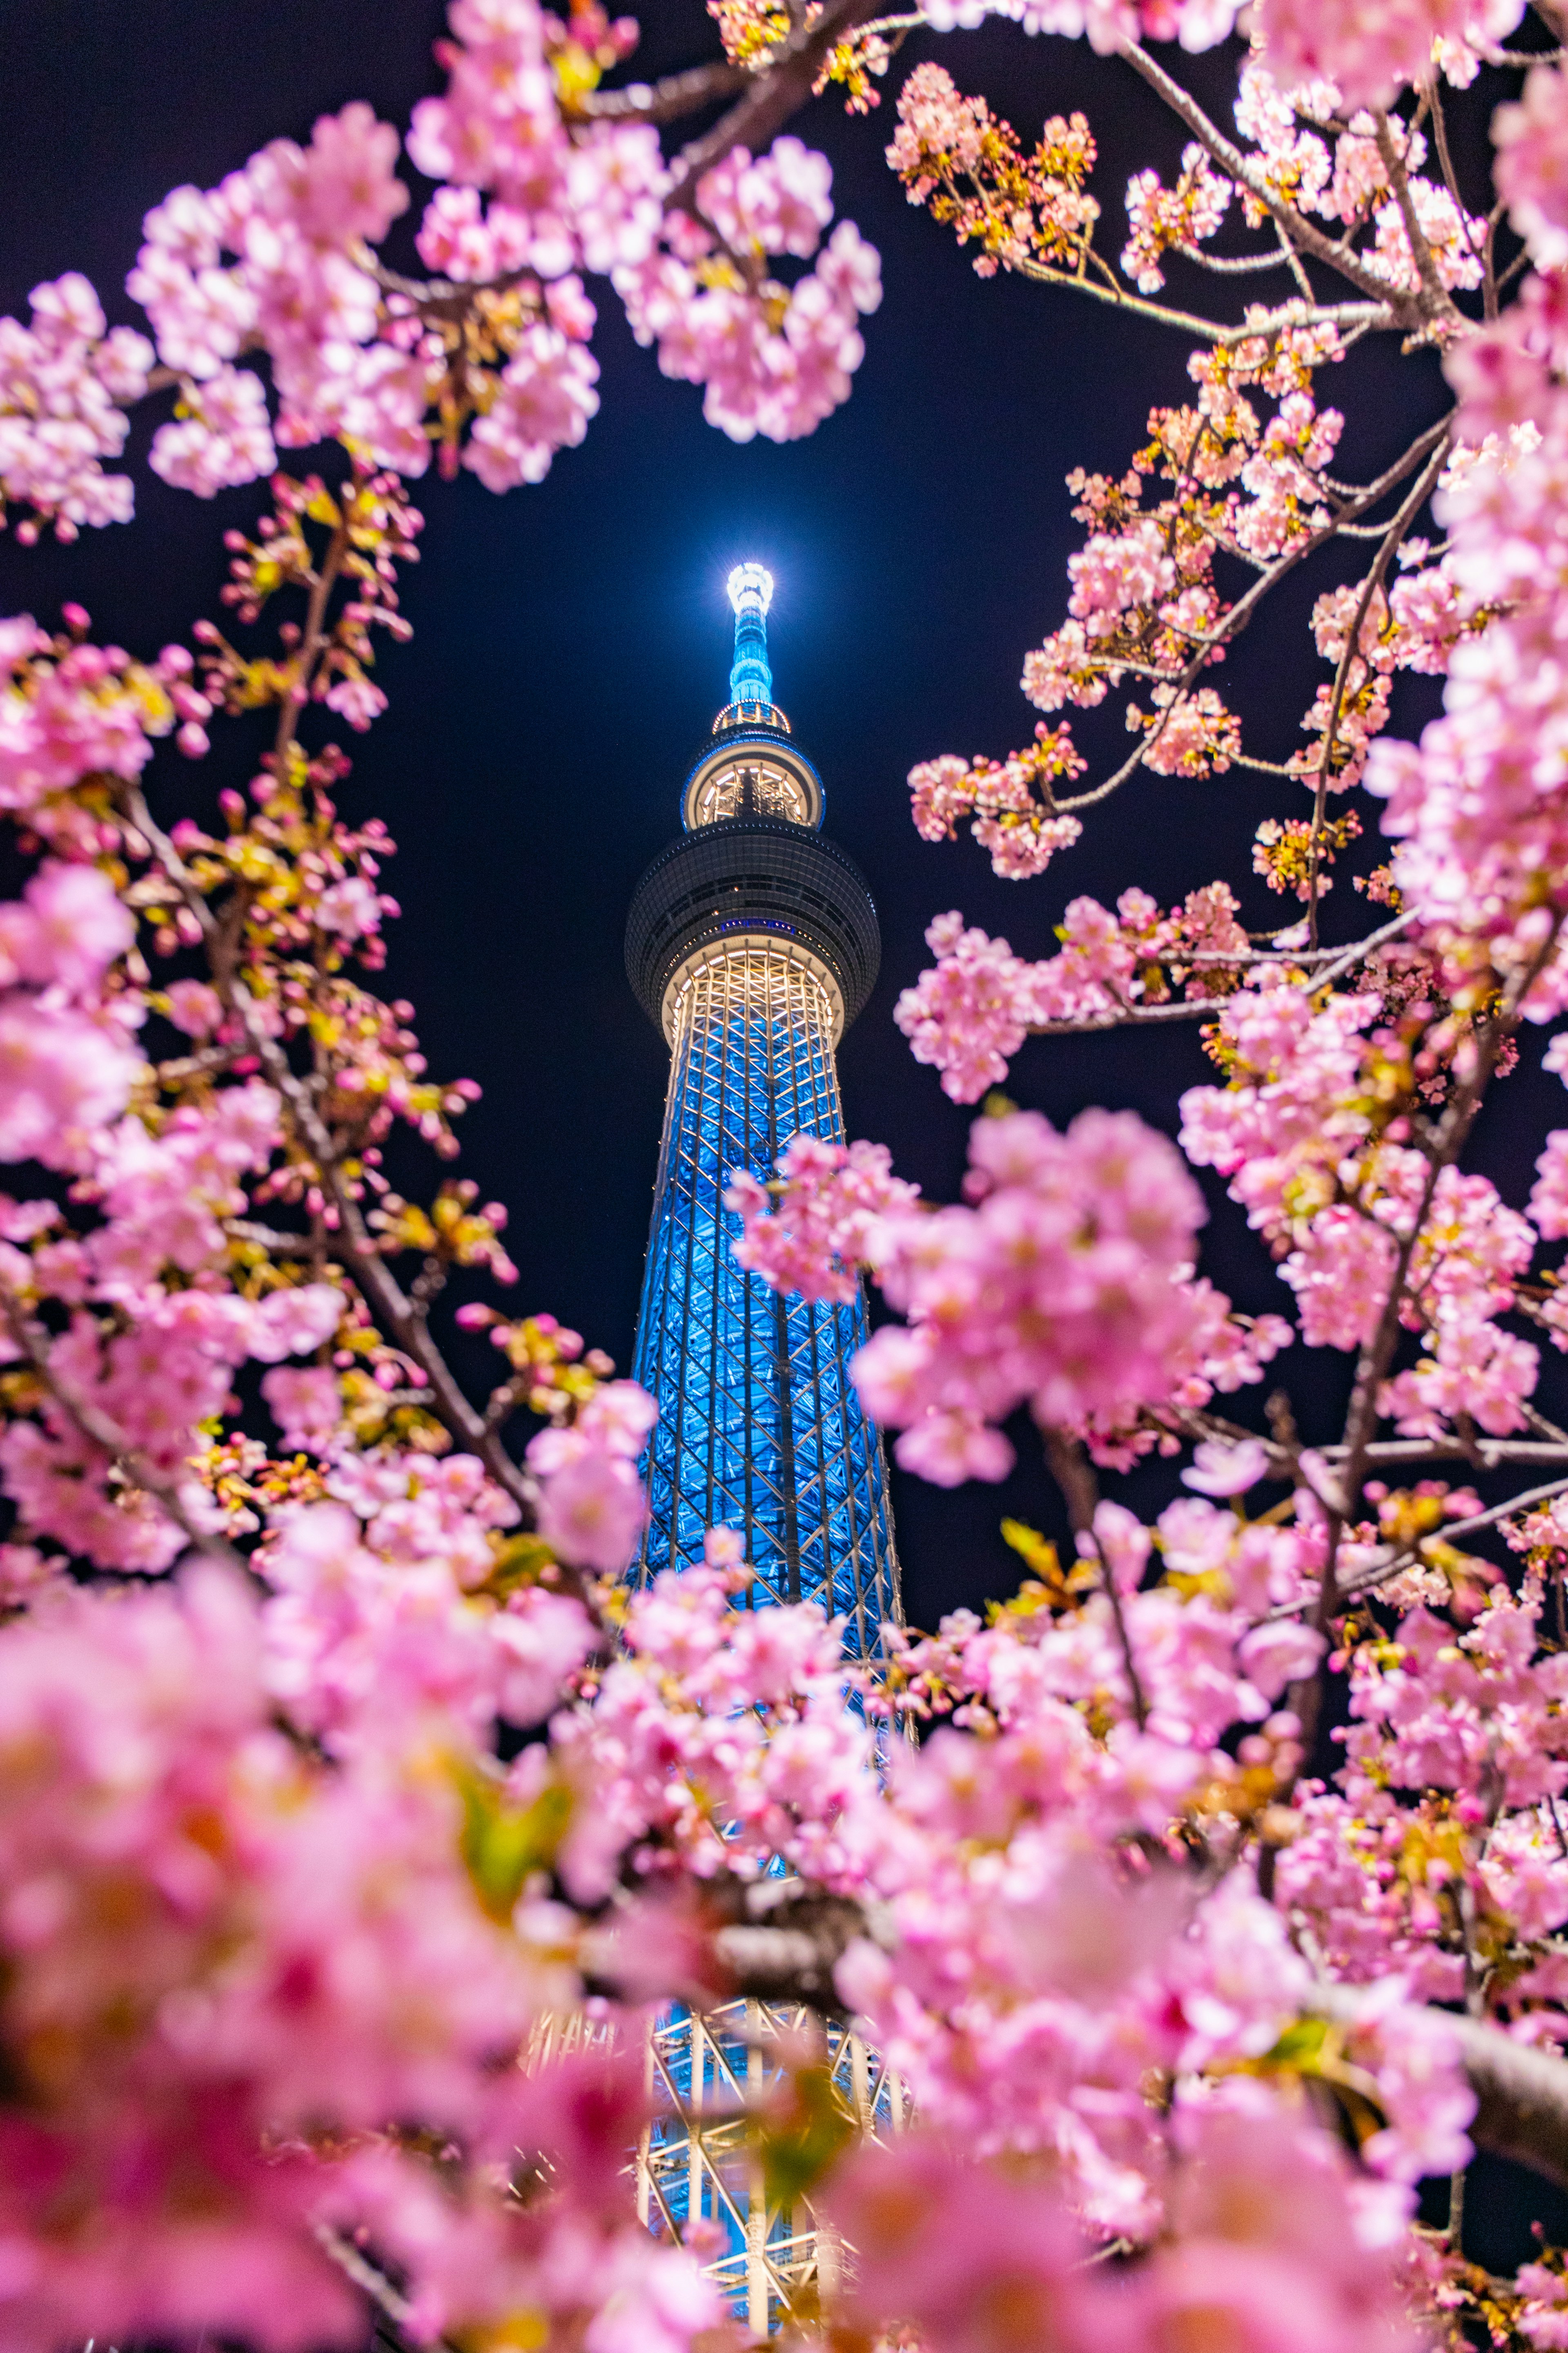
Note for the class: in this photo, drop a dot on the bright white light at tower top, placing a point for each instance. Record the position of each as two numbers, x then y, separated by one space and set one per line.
751 587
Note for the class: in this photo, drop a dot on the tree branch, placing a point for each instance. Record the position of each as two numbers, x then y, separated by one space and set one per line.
389 1302
1073 1476
771 98
664 100
97 1427
1410 507
1300 231
1522 2091
797 1934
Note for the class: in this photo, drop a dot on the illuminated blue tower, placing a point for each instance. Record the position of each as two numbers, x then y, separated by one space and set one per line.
752 942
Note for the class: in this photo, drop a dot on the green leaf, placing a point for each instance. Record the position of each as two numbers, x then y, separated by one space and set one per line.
521 1560
797 2145
1300 2046
502 1843
1037 1551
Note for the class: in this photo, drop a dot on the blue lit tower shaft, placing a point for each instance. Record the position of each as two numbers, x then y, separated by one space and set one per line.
752 943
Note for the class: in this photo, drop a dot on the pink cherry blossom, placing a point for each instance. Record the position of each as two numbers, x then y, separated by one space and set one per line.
547 399
1219 1470
226 440
304 1404
1064 1286
1369 50
61 379
591 1506
1532 140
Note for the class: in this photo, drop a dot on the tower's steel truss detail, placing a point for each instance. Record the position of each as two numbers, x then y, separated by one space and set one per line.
695 2166
752 943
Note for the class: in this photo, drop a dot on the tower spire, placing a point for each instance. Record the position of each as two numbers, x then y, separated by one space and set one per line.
751 587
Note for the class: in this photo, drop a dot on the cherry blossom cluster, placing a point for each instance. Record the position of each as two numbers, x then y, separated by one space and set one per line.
488 364
1368 52
1011 803
1159 217
1063 1281
63 378
1354 1212
69 1050
830 1199
1454 1768
1476 815
69 709
251 1820
937 2235
775 360
234 1962
1294 855
973 1010
1072 1840
1092 1966
1239 483
968 167
1342 175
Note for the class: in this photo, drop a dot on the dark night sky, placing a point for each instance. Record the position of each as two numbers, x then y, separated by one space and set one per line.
572 642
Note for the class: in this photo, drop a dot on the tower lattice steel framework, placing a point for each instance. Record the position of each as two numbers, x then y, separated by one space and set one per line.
752 943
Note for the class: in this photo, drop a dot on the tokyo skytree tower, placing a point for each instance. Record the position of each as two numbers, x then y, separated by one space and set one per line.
752 943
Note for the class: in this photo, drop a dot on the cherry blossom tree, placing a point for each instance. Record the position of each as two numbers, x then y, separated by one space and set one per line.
1210 1897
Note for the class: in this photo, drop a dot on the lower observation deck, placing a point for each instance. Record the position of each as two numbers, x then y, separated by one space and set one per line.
752 875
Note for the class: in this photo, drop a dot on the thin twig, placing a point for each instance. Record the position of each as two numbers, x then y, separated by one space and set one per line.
1414 499
665 100
1240 168
1076 1480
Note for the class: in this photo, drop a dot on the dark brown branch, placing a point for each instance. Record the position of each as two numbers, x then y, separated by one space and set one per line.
771 98
664 100
1410 507
791 1956
315 639
396 2315
443 298
1522 2091
1070 1469
774 1940
787 1951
